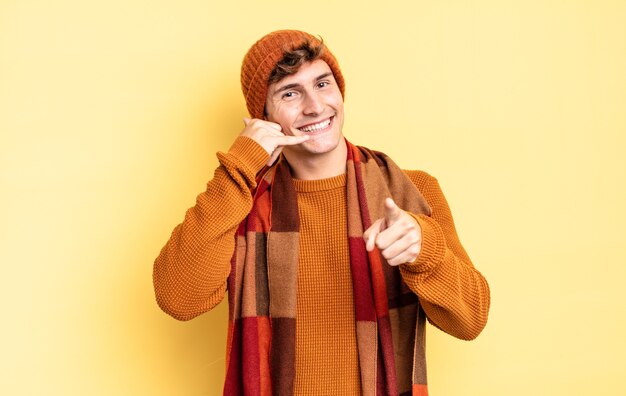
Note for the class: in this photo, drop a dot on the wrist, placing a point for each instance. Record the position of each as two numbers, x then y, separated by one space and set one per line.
250 153
432 248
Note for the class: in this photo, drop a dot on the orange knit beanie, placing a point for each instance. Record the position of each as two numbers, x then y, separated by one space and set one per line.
262 58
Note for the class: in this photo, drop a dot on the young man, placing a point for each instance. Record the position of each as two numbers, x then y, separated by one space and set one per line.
332 256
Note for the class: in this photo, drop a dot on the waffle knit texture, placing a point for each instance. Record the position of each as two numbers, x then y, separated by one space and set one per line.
263 283
324 265
190 273
263 56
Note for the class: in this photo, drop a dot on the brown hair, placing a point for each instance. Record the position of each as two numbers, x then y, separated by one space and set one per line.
291 61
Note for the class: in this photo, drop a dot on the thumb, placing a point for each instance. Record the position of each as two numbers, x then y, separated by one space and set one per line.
392 211
371 233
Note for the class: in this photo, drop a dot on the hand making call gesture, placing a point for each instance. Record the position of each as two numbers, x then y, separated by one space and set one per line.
270 136
398 236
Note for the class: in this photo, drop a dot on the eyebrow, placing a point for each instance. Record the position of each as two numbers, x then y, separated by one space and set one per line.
296 85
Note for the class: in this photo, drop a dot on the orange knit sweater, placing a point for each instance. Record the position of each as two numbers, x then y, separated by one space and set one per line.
325 323
191 271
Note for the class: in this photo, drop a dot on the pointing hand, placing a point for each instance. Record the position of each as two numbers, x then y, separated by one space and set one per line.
397 235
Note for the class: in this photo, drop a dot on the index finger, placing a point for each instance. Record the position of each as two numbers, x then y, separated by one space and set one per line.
273 125
392 211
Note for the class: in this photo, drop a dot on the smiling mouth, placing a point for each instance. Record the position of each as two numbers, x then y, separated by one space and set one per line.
317 127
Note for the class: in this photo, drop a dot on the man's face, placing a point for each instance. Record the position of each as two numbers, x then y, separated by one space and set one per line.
308 103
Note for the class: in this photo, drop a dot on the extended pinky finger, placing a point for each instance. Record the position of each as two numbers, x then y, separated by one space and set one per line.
286 140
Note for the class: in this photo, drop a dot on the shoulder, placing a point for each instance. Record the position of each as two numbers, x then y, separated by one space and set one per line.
428 186
420 178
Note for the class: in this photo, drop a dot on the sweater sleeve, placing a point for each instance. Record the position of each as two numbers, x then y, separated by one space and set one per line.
190 273
454 295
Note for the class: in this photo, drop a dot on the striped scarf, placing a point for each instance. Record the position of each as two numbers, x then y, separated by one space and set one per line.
262 286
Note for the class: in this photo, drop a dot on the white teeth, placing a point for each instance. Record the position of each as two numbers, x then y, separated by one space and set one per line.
316 127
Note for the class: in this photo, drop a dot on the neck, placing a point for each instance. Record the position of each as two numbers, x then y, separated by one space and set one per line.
318 166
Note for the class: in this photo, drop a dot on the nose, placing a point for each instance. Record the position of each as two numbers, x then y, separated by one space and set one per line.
312 104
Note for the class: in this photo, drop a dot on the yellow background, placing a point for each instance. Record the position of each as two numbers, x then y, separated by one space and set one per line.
111 113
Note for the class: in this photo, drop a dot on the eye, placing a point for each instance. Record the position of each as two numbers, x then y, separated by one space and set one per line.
323 84
289 95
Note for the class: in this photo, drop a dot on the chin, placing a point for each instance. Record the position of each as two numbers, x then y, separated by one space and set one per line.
320 145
